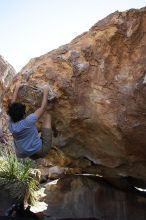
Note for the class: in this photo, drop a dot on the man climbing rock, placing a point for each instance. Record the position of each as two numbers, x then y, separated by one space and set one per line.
26 138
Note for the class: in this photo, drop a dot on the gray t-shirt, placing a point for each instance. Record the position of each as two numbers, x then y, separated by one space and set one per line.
26 137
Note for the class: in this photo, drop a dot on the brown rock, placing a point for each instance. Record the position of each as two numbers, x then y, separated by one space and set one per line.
99 85
7 73
56 172
82 197
58 157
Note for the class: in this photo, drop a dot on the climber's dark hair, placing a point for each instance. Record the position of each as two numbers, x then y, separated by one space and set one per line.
16 111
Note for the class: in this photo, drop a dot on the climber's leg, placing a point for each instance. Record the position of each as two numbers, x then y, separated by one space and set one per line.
46 134
47 121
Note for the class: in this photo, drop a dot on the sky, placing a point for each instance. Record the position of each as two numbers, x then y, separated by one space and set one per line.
31 28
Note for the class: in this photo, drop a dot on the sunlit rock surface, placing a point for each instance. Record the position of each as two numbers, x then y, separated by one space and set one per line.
98 84
7 73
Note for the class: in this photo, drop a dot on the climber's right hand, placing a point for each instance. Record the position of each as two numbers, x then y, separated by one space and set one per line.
46 89
18 85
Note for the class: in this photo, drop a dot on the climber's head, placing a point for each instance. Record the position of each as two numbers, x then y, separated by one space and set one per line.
16 111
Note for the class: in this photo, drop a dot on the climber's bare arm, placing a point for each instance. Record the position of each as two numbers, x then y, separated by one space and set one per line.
14 97
40 111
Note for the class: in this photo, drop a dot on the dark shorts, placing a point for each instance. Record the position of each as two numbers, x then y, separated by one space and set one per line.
46 136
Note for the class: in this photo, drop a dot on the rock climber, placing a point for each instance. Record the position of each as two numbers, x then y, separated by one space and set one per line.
27 141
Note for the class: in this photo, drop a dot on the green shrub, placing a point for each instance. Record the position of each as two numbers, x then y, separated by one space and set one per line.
15 175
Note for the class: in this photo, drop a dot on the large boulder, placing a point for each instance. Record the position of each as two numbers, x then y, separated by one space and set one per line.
98 88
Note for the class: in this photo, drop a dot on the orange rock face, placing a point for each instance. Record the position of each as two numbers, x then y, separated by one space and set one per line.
99 82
